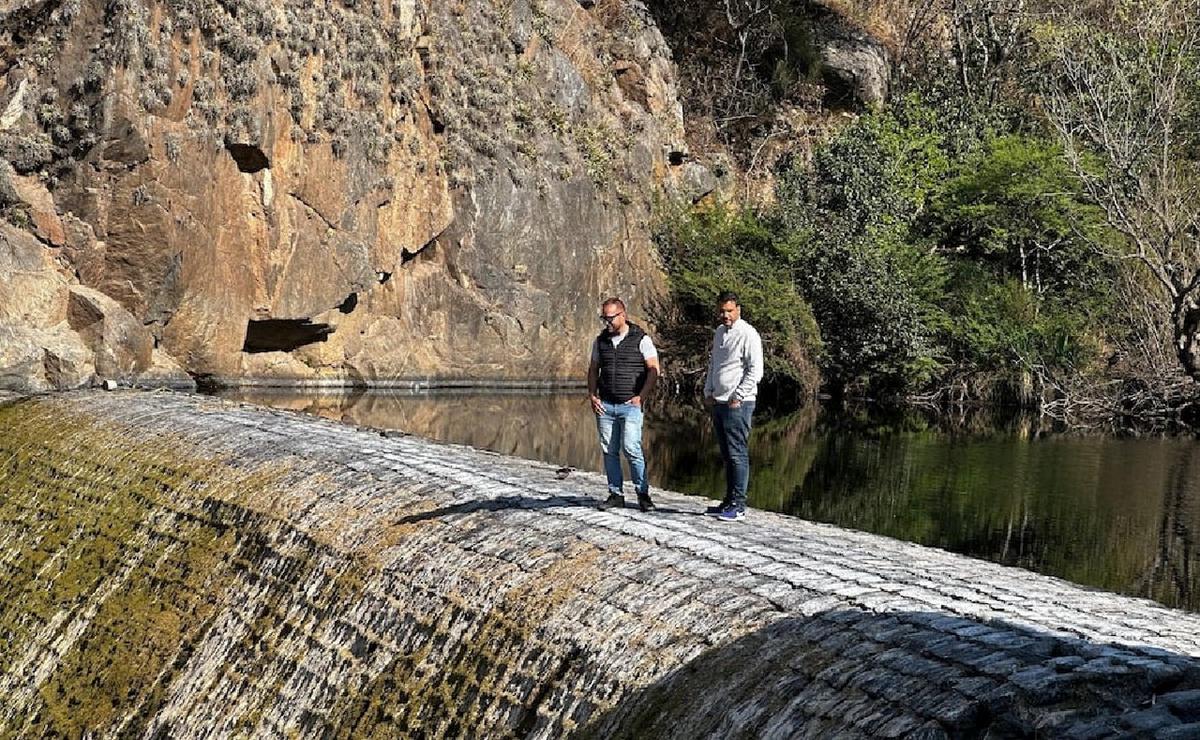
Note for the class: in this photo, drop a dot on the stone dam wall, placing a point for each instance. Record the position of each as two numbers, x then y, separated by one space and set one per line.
178 566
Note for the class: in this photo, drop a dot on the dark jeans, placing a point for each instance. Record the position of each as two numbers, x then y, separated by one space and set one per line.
733 434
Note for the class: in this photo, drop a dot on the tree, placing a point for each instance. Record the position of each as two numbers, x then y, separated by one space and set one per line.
873 285
1123 97
714 248
987 35
1016 201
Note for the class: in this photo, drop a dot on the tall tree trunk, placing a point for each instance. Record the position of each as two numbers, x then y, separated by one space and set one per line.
1186 324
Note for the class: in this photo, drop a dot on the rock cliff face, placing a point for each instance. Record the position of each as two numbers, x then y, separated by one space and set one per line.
347 191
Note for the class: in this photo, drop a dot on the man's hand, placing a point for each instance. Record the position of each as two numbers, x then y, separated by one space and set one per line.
636 401
735 403
597 406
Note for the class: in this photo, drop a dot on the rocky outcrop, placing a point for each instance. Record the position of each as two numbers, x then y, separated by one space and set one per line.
267 574
856 68
57 335
38 349
442 189
122 348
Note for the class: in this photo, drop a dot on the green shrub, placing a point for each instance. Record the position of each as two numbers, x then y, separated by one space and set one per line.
1004 335
874 301
27 152
874 283
713 249
1014 204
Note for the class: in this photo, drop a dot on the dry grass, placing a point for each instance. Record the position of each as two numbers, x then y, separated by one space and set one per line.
889 21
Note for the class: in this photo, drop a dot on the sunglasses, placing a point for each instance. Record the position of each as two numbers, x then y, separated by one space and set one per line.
610 319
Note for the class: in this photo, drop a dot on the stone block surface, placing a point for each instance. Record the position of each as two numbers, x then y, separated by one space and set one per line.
238 571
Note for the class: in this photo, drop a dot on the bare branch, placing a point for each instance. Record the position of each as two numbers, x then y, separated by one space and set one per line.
1117 97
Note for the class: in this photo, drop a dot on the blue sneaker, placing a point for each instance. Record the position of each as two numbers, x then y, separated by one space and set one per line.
731 515
716 510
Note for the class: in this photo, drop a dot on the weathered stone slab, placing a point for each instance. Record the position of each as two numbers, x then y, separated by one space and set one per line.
188 567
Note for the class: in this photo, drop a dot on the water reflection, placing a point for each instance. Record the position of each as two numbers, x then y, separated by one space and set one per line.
1115 513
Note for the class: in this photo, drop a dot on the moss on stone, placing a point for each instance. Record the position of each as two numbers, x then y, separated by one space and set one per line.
116 571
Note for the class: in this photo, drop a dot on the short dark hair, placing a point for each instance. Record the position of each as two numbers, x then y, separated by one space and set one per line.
614 301
726 296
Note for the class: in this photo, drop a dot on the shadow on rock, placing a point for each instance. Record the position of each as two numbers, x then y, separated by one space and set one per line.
501 503
913 674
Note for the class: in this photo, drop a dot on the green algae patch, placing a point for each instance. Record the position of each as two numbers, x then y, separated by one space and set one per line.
447 686
112 568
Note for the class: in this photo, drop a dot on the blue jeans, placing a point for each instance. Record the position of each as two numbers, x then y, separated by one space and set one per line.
733 435
620 427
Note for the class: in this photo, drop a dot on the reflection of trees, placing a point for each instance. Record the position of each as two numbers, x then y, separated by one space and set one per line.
1075 507
1170 575
781 449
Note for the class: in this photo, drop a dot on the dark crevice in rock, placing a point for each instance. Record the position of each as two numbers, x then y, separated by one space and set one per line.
283 335
676 158
308 206
384 277
249 158
428 249
348 305
42 240
840 94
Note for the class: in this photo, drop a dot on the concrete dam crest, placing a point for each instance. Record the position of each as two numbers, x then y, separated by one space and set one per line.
179 566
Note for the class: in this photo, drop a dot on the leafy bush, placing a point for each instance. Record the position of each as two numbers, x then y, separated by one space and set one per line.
715 249
926 248
874 284
1008 340
27 152
1016 205
870 298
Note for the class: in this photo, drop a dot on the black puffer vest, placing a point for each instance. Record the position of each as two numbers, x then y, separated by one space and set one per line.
622 368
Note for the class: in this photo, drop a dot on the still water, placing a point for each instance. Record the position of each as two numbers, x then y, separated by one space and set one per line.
1115 513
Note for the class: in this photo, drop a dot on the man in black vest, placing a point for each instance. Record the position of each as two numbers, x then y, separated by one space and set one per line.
621 375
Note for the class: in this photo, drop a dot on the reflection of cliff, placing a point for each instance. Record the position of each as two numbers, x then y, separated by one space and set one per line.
553 428
565 432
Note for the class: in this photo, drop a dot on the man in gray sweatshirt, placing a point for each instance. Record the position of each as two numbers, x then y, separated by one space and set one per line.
735 366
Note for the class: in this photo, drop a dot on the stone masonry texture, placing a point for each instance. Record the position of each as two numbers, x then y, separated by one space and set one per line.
178 566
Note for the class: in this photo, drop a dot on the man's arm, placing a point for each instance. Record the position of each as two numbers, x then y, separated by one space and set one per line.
752 370
593 381
710 386
648 386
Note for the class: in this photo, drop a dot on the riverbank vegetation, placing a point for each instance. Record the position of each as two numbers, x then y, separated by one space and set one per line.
1018 223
